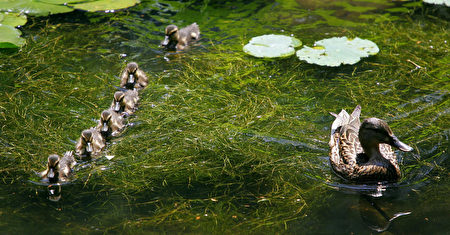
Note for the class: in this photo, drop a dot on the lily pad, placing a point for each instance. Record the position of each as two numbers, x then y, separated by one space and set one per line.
33 7
12 19
438 2
105 5
10 37
338 50
270 46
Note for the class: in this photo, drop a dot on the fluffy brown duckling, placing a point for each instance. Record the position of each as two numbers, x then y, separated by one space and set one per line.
110 124
125 102
132 77
66 164
178 39
362 152
91 143
52 171
59 169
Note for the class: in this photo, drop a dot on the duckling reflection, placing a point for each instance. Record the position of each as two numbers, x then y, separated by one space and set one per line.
178 39
91 143
110 124
125 102
363 152
54 192
52 171
133 78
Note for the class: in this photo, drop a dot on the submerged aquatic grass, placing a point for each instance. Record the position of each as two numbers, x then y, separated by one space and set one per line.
221 142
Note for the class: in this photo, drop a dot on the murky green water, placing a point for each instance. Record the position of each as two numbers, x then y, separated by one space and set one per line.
223 142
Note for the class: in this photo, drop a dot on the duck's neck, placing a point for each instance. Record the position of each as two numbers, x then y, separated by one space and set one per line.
374 154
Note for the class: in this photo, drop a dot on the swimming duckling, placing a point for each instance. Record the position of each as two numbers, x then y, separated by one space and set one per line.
132 77
110 124
66 164
363 152
179 39
125 102
52 171
91 143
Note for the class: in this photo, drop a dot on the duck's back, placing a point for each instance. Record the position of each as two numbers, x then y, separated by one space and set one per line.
344 142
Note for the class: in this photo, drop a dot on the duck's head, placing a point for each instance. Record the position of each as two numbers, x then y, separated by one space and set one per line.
374 131
171 33
118 97
104 120
132 67
87 138
52 165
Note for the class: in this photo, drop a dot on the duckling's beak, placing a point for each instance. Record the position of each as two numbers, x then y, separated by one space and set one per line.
51 173
117 107
89 147
165 42
105 127
400 145
131 78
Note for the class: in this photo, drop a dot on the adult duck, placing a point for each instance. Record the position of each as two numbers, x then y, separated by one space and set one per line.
362 152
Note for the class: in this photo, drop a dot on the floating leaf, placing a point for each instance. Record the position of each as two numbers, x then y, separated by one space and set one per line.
336 51
33 7
105 5
438 2
12 19
10 37
270 46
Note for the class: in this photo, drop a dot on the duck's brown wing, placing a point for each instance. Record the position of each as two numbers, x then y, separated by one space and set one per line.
344 143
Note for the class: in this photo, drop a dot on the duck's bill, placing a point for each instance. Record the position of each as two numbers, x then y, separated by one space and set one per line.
131 78
165 42
89 148
400 145
117 107
51 173
105 127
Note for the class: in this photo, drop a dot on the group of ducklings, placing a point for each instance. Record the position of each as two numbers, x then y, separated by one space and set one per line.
358 152
124 104
111 124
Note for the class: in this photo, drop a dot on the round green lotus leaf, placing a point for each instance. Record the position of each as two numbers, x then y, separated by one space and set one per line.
438 2
338 50
270 46
32 7
12 19
10 37
105 5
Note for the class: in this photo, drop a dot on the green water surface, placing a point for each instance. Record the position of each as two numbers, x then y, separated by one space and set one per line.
224 142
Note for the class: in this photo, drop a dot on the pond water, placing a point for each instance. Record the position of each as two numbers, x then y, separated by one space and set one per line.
224 142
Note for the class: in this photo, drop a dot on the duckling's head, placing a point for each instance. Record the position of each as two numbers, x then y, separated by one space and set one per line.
131 69
104 120
118 97
52 164
171 35
87 137
374 131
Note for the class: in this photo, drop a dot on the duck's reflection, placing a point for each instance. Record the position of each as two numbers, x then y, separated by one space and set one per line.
378 212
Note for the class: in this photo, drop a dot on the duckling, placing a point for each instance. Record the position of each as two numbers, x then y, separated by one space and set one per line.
125 102
66 164
91 143
362 152
52 171
179 39
133 78
110 124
